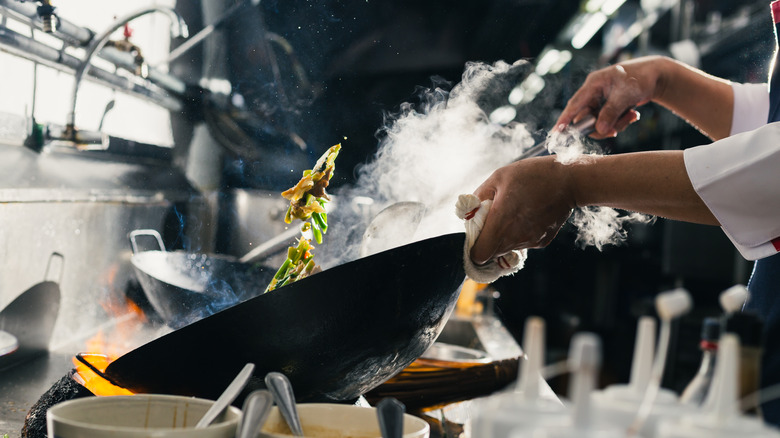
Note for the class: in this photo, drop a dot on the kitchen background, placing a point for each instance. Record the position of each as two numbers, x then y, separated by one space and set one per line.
197 140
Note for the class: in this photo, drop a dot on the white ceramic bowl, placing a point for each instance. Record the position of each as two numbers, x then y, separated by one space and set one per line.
135 416
328 420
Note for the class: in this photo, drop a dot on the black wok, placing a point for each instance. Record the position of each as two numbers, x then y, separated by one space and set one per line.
336 334
184 287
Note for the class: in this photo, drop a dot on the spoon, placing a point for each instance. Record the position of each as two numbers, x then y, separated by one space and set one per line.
391 417
282 390
227 397
255 411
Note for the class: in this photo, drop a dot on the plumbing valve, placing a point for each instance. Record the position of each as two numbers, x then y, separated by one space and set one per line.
48 18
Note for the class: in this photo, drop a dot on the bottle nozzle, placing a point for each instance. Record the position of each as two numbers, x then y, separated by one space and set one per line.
533 347
644 352
673 303
733 298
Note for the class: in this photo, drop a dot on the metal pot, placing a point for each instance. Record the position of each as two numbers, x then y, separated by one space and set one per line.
336 334
184 287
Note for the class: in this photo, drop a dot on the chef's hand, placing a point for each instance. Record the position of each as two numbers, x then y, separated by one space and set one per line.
612 94
531 202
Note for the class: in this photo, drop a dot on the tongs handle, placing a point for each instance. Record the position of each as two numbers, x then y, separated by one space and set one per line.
585 127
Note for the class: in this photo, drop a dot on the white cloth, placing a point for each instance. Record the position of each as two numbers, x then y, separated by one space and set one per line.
474 212
738 177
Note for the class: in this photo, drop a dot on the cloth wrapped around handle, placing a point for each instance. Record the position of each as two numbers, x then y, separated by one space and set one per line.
473 212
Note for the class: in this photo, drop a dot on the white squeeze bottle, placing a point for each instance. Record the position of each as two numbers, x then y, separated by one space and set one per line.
524 406
584 362
619 404
720 416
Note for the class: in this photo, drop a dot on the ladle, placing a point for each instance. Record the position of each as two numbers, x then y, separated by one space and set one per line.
399 219
255 411
390 413
227 396
282 390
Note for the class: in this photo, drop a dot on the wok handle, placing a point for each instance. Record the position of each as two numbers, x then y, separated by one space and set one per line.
62 266
148 232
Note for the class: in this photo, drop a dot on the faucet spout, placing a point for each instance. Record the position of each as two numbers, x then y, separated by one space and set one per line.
178 29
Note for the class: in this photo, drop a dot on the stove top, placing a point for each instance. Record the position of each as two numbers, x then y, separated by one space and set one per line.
22 385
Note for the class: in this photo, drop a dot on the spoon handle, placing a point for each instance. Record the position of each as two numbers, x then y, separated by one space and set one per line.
227 397
255 411
391 417
282 390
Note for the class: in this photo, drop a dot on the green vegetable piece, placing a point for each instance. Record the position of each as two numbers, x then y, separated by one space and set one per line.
315 230
317 218
283 269
292 254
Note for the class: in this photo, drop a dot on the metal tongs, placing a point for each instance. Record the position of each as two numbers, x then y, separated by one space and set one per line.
585 127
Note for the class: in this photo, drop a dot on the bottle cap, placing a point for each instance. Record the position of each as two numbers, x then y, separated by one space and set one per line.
710 329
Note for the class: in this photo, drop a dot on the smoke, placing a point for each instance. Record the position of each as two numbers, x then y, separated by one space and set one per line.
601 226
443 147
596 226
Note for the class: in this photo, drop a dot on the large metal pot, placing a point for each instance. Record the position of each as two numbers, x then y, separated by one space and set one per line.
336 334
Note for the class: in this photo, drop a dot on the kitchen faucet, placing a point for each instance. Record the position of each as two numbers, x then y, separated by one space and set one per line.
178 29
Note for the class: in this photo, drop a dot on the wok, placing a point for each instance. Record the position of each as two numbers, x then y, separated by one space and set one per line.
336 334
184 287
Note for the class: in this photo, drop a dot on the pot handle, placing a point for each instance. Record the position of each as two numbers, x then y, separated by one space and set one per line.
154 233
48 266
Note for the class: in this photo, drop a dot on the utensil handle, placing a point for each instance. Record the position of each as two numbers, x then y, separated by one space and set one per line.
148 232
271 246
255 410
62 266
227 397
391 417
585 127
282 390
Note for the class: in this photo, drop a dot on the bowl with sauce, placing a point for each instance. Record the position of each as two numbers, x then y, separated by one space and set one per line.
136 416
330 420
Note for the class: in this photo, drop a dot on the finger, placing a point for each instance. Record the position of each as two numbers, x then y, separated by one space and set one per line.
485 192
630 117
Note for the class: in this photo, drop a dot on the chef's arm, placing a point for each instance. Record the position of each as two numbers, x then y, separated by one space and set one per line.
704 101
533 198
654 182
613 94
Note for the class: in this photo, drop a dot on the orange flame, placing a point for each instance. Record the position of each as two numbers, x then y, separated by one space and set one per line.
93 381
105 347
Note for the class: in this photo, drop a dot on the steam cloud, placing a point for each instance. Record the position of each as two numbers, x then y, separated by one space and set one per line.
443 148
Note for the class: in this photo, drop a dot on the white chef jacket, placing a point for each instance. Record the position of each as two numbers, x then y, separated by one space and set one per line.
738 177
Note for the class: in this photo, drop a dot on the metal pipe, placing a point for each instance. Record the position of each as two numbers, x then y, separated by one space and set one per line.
80 36
33 50
178 28
27 12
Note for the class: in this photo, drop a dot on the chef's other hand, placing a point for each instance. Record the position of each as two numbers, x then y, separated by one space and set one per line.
612 94
531 202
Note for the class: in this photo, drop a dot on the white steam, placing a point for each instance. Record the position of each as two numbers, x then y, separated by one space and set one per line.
431 154
596 226
434 152
600 226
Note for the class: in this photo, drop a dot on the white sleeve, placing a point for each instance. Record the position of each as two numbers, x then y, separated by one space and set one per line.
751 107
739 180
